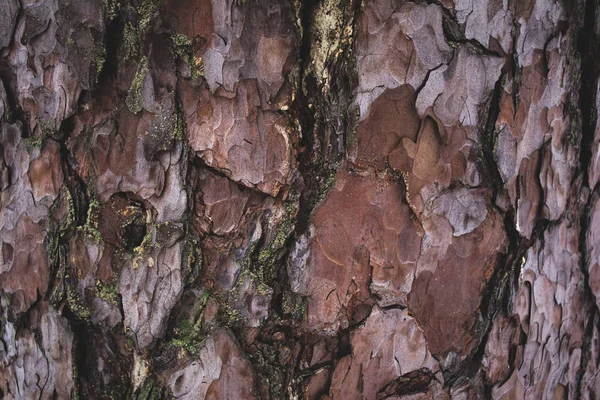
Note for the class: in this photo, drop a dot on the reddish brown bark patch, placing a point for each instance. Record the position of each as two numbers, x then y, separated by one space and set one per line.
28 277
393 116
446 301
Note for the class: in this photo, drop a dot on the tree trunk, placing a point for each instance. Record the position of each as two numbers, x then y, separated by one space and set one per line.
320 199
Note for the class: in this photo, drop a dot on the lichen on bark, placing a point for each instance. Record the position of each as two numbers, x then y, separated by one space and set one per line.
329 199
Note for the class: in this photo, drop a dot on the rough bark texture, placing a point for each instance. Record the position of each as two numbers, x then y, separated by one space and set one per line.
326 199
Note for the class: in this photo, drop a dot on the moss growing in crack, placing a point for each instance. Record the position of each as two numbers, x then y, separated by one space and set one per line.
268 255
108 292
98 64
34 142
76 305
145 391
229 316
193 264
325 183
259 269
70 221
56 251
111 9
190 333
293 305
181 45
134 96
90 228
119 389
147 10
130 41
179 134
187 337
182 49
46 128
151 391
574 129
57 263
267 359
139 252
134 31
329 181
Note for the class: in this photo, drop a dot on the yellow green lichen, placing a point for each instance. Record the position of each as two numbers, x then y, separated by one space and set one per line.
151 391
181 44
179 133
135 30
134 96
108 292
130 41
293 304
229 316
268 255
98 64
182 49
111 8
190 333
90 228
193 263
37 139
70 213
76 305
147 11
139 252
33 142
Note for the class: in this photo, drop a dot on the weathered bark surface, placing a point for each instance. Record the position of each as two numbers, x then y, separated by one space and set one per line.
329 199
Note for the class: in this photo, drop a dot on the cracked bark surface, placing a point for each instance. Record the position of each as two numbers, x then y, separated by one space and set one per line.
324 199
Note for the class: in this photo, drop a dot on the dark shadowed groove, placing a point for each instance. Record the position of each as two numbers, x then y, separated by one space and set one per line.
305 116
493 294
588 47
584 14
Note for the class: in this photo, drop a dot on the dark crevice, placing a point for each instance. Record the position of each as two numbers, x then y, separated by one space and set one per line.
515 71
413 382
590 304
393 307
327 118
490 135
89 345
593 320
16 113
496 296
87 339
79 203
588 47
455 36
198 163
305 115
422 85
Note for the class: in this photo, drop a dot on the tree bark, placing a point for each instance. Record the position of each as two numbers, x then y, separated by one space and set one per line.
320 199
